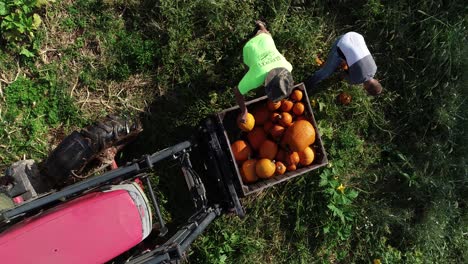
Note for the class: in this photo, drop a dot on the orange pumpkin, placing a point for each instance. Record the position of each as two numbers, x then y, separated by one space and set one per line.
248 172
261 115
296 95
280 168
256 137
286 105
241 150
306 157
268 149
272 106
298 108
318 61
286 119
249 122
292 158
291 167
265 168
267 127
344 98
277 131
299 136
275 117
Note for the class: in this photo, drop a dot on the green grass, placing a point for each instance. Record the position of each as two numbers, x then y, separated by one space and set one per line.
31 108
400 156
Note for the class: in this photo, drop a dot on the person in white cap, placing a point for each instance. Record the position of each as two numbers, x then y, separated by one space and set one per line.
351 49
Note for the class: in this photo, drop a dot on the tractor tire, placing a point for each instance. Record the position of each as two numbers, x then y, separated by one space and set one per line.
80 148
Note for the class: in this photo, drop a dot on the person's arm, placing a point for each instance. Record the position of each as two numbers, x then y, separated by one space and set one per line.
260 27
332 63
328 69
241 102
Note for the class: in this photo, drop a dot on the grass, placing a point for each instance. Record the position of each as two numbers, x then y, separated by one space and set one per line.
401 157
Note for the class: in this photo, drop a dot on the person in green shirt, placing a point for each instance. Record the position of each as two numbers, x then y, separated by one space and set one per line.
267 66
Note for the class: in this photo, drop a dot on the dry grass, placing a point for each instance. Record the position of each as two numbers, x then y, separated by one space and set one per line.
130 95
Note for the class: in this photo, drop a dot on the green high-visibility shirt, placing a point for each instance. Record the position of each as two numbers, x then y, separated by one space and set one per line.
261 55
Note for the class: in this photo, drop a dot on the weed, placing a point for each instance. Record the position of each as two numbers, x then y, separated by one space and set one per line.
31 109
18 23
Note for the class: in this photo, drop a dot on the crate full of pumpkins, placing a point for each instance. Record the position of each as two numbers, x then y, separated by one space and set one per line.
278 141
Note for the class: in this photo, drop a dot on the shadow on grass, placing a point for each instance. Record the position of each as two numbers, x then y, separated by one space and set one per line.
164 126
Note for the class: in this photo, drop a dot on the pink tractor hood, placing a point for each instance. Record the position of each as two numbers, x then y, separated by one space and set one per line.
91 229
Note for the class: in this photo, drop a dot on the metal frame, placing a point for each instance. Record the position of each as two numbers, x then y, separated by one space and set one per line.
175 248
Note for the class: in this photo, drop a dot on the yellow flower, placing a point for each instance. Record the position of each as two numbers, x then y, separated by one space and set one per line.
341 188
313 103
377 261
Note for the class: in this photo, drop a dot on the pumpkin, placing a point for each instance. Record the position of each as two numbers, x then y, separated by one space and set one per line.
299 136
256 137
280 168
265 168
286 105
241 150
248 171
298 108
272 106
318 61
275 117
306 157
292 158
261 115
291 167
296 95
286 119
268 149
344 98
277 131
249 122
267 127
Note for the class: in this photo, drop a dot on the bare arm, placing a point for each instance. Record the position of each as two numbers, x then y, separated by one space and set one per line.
240 101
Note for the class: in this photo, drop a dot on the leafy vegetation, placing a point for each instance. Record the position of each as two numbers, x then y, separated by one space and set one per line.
31 108
18 23
394 191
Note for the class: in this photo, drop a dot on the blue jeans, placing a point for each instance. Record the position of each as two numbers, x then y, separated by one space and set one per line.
333 61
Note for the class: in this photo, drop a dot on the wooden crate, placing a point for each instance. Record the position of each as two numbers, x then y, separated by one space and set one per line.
227 121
